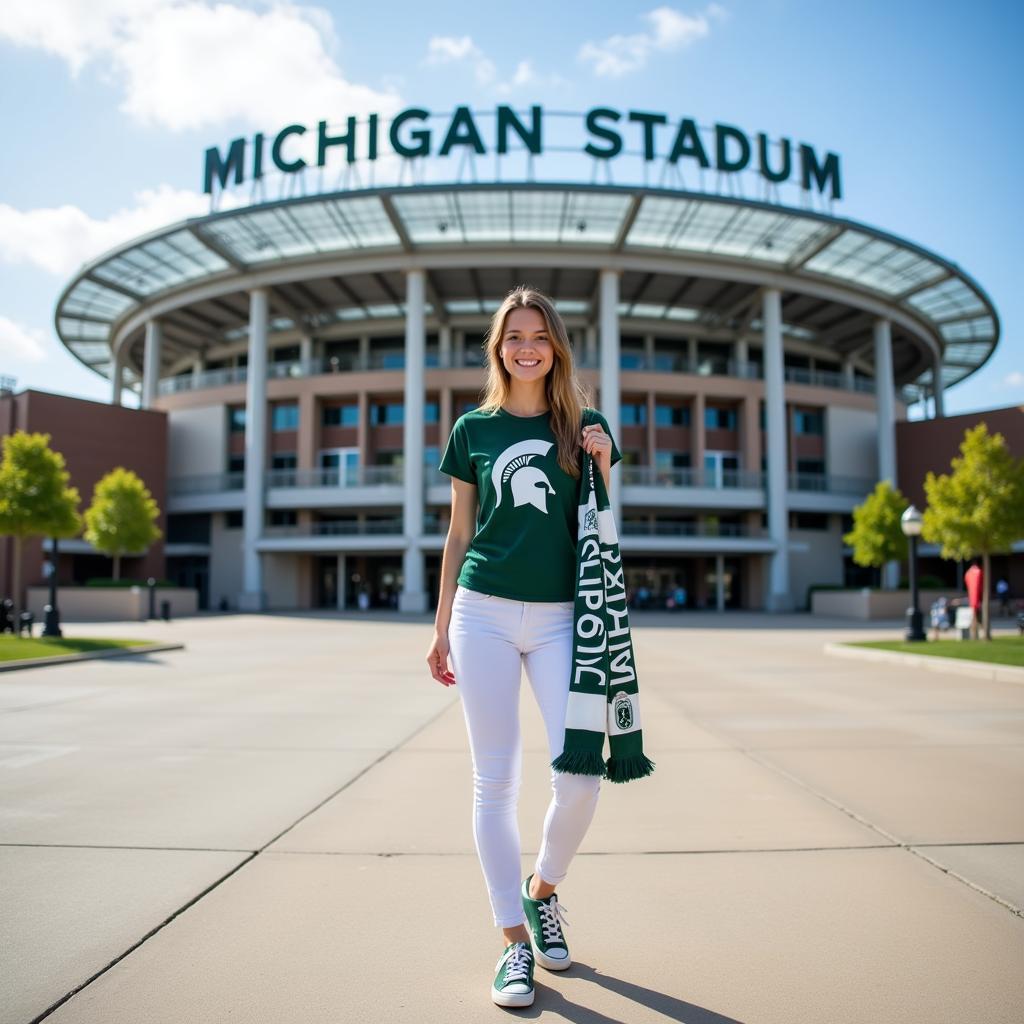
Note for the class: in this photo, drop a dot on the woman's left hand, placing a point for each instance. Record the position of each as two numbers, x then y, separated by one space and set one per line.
598 444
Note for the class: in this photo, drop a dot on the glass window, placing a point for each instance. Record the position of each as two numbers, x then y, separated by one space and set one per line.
431 412
718 418
234 520
431 455
282 517
286 417
633 414
341 416
284 460
672 415
236 419
236 463
809 422
387 413
815 466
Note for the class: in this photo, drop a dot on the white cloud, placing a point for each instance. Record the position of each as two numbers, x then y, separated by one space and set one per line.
21 343
668 30
186 64
462 50
1014 379
452 50
60 239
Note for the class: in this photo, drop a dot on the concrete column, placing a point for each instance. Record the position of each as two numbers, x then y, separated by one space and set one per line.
363 434
151 363
750 435
340 573
414 597
652 431
648 351
445 419
459 356
885 405
364 352
778 596
720 582
590 345
937 388
306 354
444 346
848 374
698 438
740 355
608 320
198 369
691 355
116 376
309 429
253 597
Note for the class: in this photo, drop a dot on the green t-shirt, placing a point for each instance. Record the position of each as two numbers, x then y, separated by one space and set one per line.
525 543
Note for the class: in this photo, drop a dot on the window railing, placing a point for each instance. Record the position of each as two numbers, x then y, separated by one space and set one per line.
683 476
641 528
829 483
473 357
343 476
390 526
206 483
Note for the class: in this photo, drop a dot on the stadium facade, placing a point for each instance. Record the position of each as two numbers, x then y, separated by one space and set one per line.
313 350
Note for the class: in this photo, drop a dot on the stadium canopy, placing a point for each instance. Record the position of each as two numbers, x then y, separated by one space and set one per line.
807 248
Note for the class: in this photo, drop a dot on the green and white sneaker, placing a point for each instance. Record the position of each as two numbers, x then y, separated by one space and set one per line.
544 919
513 984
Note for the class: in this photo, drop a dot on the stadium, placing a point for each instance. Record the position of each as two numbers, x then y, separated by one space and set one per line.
312 349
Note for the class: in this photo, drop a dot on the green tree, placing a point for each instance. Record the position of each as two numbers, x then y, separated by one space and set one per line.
876 537
978 508
35 498
121 518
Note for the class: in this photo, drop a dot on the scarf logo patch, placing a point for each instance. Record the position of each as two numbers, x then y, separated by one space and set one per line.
590 521
623 708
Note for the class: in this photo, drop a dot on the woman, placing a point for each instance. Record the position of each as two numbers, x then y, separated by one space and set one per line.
506 599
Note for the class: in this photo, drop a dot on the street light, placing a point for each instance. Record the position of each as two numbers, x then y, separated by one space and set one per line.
910 523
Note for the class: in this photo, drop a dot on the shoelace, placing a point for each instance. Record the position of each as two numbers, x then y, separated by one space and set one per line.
552 913
517 966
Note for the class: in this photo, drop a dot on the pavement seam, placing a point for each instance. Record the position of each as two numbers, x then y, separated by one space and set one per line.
252 856
894 840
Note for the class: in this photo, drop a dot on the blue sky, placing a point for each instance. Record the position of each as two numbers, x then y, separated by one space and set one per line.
111 104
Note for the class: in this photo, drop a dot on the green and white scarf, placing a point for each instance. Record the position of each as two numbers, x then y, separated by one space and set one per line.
603 694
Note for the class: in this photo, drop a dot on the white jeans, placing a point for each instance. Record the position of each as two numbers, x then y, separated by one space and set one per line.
490 638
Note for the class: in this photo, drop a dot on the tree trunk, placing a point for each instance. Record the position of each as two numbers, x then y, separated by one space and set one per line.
117 566
16 596
984 597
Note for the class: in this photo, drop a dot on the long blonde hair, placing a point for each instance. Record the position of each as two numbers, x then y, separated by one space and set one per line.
566 394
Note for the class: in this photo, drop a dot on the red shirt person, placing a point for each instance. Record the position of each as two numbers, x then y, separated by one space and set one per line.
974 582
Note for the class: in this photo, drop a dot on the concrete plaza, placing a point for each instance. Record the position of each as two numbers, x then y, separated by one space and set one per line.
273 825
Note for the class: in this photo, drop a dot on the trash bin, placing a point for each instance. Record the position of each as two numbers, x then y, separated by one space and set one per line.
165 611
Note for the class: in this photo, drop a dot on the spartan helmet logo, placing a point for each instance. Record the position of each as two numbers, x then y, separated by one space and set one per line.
623 711
530 485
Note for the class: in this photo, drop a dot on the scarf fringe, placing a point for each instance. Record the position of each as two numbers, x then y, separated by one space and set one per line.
625 769
579 762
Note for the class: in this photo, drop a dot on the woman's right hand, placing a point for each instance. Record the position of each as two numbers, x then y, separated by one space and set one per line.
437 659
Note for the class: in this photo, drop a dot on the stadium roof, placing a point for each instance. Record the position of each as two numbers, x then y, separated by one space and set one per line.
806 246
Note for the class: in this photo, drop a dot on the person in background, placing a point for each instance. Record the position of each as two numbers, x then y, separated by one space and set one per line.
974 581
1003 593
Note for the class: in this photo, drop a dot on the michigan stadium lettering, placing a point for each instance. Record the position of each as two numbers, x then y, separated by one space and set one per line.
609 134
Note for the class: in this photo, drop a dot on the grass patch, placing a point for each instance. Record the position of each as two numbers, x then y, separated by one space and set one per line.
14 648
1000 650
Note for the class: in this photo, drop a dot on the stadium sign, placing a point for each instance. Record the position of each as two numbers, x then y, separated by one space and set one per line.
607 135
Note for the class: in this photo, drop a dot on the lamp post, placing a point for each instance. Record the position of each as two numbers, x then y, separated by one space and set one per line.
51 625
910 523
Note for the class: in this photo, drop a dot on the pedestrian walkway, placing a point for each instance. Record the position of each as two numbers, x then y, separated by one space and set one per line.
273 824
